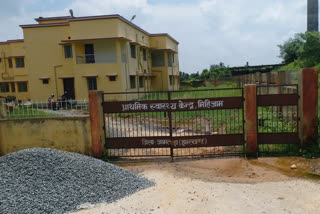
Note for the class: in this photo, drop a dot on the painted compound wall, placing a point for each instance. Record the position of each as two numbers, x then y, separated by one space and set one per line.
71 134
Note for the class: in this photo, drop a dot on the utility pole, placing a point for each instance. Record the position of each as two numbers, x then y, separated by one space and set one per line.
313 16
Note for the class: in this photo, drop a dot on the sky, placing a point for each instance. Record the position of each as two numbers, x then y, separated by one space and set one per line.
208 31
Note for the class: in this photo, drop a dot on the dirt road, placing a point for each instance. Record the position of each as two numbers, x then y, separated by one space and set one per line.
267 185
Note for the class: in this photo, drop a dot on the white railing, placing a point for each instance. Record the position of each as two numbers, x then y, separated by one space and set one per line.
85 59
60 108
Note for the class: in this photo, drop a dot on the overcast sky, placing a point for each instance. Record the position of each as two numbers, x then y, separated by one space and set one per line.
209 31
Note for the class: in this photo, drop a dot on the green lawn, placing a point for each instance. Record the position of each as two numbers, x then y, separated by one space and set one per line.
27 112
224 90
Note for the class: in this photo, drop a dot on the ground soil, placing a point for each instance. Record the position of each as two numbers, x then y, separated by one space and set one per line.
233 185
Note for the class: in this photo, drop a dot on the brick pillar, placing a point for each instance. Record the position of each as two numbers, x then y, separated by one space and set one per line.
97 123
308 106
251 119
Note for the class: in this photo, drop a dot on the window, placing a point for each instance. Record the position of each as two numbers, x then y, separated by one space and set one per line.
68 51
157 58
144 54
45 81
173 57
92 83
112 78
10 63
20 62
132 82
22 86
141 82
133 51
89 53
13 87
4 87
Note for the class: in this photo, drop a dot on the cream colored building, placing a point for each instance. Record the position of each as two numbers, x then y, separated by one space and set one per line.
14 75
77 54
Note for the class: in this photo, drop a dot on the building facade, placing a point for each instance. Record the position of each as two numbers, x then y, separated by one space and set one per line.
14 76
78 54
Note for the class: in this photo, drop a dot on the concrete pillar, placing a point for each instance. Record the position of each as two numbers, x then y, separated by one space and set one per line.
251 119
308 106
3 108
97 123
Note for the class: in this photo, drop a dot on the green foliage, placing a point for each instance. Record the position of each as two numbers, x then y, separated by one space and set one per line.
311 151
293 66
28 112
309 53
105 155
289 50
303 50
184 76
215 71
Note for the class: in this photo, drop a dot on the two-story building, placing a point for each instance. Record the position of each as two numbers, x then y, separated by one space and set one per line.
14 76
78 54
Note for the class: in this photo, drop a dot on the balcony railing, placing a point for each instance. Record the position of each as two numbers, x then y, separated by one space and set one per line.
86 59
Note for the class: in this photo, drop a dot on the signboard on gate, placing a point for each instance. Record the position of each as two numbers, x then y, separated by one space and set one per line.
173 105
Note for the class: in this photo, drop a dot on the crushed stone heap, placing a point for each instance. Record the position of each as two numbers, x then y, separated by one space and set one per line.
52 181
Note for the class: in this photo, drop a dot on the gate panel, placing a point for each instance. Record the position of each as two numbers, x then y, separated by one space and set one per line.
175 123
277 108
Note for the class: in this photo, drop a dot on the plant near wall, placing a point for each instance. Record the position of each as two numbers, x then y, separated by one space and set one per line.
312 150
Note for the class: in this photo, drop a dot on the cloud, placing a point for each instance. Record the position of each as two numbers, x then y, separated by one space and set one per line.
209 31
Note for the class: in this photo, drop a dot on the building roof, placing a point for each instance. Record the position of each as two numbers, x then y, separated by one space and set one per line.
12 41
86 18
52 18
45 25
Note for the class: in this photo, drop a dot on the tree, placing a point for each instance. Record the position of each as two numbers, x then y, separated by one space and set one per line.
195 76
303 49
205 75
290 49
184 76
309 54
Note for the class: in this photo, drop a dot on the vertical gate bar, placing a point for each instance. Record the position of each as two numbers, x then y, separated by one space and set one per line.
243 122
234 121
148 115
170 125
297 114
213 123
104 122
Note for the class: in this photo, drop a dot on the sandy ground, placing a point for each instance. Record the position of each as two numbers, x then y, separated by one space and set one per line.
266 185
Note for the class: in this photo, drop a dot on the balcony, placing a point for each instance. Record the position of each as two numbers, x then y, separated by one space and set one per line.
96 52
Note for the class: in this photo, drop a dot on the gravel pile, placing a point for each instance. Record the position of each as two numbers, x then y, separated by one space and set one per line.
53 181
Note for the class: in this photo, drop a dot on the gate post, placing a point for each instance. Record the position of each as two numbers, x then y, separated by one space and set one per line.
251 119
308 105
97 123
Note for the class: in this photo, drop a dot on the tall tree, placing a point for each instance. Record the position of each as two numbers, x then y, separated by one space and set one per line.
289 50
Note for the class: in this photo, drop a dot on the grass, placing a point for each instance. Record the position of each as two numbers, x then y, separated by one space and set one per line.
278 149
199 92
22 112
273 123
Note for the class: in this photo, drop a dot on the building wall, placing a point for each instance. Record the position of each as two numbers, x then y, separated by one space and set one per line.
101 28
45 57
69 134
13 75
131 33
